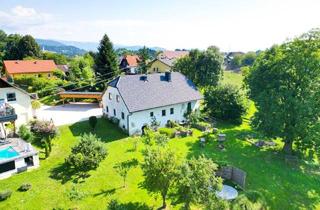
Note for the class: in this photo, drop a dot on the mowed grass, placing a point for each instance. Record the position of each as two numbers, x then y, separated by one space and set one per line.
284 186
234 78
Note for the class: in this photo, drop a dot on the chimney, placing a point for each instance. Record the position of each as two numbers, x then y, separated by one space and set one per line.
168 76
144 78
35 62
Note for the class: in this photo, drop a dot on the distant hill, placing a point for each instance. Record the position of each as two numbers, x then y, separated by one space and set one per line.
72 48
58 47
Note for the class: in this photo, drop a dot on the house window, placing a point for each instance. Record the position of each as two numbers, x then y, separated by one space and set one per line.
49 75
171 111
164 112
154 69
107 108
151 114
189 107
118 98
11 97
110 96
114 112
122 115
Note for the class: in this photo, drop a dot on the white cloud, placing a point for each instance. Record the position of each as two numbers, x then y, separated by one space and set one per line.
21 17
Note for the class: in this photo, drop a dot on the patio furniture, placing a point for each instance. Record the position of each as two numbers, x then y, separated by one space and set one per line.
202 142
227 193
221 137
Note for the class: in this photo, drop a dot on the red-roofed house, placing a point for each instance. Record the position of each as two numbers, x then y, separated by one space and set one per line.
43 68
129 63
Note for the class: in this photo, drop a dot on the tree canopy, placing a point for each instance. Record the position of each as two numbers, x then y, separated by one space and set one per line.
197 182
106 62
160 169
143 60
204 68
225 102
284 83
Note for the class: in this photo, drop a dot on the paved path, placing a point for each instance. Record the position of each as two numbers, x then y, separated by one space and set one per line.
69 113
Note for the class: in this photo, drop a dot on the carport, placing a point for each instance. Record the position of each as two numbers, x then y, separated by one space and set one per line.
83 95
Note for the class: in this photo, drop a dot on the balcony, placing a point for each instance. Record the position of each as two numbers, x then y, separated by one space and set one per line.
7 113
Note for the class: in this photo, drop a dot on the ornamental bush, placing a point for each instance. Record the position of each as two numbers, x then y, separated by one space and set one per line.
4 195
87 154
25 187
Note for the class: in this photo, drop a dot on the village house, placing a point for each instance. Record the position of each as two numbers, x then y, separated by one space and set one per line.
41 68
136 100
14 99
129 64
165 61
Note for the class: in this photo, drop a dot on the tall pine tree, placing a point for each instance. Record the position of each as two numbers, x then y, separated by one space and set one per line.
106 64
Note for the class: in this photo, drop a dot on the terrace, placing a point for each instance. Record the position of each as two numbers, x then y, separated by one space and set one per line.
16 156
7 113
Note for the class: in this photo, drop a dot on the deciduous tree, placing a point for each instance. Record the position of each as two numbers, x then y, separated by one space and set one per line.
284 83
204 68
160 170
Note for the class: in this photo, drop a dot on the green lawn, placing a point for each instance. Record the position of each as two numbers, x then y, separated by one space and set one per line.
230 77
284 187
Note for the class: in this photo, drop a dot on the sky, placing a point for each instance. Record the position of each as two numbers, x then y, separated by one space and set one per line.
232 25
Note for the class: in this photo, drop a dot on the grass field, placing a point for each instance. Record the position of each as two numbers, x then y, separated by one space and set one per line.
283 186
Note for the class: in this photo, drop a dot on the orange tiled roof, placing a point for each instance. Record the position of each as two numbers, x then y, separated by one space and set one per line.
29 66
132 60
173 54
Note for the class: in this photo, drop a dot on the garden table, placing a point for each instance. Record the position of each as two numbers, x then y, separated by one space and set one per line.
227 193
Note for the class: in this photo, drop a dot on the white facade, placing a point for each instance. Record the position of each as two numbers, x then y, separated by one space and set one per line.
21 103
114 106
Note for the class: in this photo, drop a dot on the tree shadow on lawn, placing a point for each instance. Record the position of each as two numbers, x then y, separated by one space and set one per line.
266 171
106 192
104 130
65 173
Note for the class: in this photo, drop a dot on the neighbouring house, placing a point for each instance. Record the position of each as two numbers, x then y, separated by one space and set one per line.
129 64
41 68
16 155
136 100
18 99
64 68
165 61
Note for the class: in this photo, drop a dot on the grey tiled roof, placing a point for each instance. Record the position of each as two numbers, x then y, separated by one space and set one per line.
156 92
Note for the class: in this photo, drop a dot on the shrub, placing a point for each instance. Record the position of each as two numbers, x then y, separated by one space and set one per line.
25 133
75 194
194 117
93 122
203 126
87 154
225 103
161 139
114 120
168 132
171 124
4 195
25 187
114 205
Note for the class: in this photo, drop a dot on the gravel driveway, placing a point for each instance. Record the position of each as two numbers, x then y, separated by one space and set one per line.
69 113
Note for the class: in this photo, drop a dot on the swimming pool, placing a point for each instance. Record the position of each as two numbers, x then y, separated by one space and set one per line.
8 152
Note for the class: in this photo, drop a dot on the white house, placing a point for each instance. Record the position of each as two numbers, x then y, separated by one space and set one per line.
18 99
135 99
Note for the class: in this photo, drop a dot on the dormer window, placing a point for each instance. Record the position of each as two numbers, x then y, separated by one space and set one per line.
110 96
118 98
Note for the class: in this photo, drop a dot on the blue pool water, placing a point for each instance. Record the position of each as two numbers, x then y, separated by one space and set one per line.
8 152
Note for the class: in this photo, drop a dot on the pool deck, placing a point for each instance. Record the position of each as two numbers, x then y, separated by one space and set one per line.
18 145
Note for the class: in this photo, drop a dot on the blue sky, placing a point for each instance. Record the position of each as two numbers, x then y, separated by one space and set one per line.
231 25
